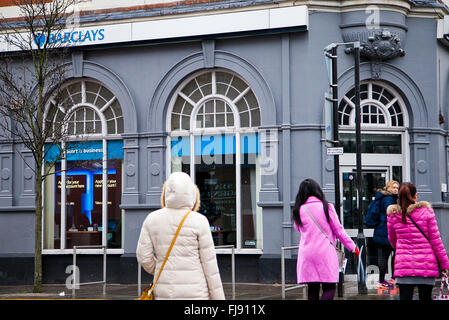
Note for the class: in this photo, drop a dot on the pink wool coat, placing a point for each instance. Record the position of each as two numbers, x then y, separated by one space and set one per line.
317 258
415 256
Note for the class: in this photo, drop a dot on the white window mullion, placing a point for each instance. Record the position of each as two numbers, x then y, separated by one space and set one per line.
370 91
192 157
186 98
104 201
84 119
63 196
108 104
238 191
214 83
240 96
389 104
83 92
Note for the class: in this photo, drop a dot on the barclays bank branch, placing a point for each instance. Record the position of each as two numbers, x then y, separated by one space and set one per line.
231 93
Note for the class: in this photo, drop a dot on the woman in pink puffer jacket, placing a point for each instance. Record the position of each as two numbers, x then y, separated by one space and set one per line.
415 261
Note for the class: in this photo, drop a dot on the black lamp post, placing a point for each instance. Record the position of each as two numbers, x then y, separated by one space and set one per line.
361 240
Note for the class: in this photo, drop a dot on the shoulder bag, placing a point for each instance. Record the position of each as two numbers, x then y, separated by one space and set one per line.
444 283
340 252
425 236
147 294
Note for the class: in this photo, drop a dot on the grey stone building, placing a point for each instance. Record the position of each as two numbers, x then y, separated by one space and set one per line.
231 92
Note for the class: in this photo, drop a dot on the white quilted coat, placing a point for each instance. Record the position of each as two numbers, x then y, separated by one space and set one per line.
191 271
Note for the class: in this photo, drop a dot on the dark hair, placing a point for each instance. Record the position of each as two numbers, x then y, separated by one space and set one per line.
406 193
308 188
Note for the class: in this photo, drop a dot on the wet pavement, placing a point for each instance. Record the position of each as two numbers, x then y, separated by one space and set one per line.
243 291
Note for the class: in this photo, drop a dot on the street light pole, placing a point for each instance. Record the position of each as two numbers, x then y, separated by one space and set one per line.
361 240
331 53
336 138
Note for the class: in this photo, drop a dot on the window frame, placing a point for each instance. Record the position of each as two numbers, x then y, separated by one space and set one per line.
370 100
104 137
195 131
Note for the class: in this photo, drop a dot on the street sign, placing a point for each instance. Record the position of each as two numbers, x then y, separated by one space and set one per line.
334 151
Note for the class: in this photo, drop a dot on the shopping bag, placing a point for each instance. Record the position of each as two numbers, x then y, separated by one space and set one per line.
444 283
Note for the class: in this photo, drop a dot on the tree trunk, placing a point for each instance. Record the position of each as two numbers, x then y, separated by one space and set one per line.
38 232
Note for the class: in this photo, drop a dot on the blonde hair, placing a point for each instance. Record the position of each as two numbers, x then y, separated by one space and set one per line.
390 184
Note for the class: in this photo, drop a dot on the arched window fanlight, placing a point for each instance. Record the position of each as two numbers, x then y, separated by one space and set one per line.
85 107
379 107
215 99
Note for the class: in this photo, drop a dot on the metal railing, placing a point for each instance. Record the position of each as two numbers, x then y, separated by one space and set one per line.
139 272
75 284
284 289
232 267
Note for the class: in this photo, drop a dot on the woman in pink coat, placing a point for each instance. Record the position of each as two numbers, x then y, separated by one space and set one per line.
317 258
415 262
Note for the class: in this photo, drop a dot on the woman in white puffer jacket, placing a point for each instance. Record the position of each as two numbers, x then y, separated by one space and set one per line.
191 271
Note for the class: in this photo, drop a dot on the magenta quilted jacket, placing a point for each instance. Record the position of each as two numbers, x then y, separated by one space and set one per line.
414 254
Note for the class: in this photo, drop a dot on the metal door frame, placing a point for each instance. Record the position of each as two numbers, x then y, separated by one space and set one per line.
349 169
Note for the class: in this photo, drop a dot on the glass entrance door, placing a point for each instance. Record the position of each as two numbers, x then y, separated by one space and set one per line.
372 180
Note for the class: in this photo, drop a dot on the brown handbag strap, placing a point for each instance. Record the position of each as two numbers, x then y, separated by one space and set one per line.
169 250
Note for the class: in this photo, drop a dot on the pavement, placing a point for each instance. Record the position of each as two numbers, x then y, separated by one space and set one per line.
243 291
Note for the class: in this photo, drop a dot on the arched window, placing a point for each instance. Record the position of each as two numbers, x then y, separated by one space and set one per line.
213 125
213 100
83 191
85 108
379 107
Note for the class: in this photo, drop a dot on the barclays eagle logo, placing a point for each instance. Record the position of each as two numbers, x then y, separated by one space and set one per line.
40 39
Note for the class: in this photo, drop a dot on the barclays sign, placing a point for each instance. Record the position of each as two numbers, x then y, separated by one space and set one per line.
74 37
218 23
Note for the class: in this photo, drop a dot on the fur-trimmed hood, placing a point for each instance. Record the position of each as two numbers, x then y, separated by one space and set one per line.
385 192
179 191
395 208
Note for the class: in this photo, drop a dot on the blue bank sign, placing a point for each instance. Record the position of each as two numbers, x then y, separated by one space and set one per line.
296 17
74 37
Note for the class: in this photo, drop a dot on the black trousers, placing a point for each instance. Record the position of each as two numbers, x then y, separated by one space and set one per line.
313 290
383 252
406 291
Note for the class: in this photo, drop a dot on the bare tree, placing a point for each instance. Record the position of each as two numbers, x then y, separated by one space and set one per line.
32 74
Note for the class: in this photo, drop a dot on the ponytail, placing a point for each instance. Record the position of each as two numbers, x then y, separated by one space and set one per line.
406 193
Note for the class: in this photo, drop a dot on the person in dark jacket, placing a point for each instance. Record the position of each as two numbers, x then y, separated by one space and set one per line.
387 196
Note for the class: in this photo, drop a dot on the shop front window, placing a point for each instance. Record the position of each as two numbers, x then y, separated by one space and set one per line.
214 139
80 209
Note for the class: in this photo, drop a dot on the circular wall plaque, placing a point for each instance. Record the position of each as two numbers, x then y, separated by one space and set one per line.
6 173
155 169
